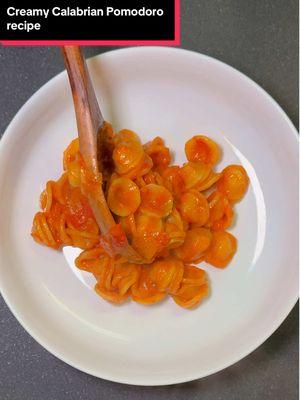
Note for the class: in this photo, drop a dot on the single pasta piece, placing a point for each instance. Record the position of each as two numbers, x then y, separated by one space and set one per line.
193 289
159 153
203 149
193 276
191 296
194 207
220 211
221 250
234 182
144 291
128 151
196 242
149 238
166 274
123 197
156 201
173 181
194 173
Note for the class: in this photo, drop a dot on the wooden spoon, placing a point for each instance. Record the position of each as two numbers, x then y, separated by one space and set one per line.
95 149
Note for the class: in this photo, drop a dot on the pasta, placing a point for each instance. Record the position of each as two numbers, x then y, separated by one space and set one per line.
123 197
159 153
222 249
202 149
193 289
194 173
220 211
173 181
172 216
194 207
128 152
234 182
150 238
156 201
196 242
67 218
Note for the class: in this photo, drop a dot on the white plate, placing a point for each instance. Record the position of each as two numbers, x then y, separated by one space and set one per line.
175 94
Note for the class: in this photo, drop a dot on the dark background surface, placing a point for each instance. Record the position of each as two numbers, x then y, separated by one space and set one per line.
260 38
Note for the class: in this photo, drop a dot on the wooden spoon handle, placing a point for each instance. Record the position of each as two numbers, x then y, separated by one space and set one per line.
88 114
92 140
89 123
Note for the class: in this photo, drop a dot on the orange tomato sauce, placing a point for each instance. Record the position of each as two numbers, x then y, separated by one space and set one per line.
173 216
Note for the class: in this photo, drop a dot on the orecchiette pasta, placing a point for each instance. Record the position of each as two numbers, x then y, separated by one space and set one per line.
222 249
197 241
123 197
233 182
194 208
203 149
172 216
220 211
159 153
194 173
156 200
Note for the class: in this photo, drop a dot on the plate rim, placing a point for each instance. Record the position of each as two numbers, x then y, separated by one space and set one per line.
142 381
